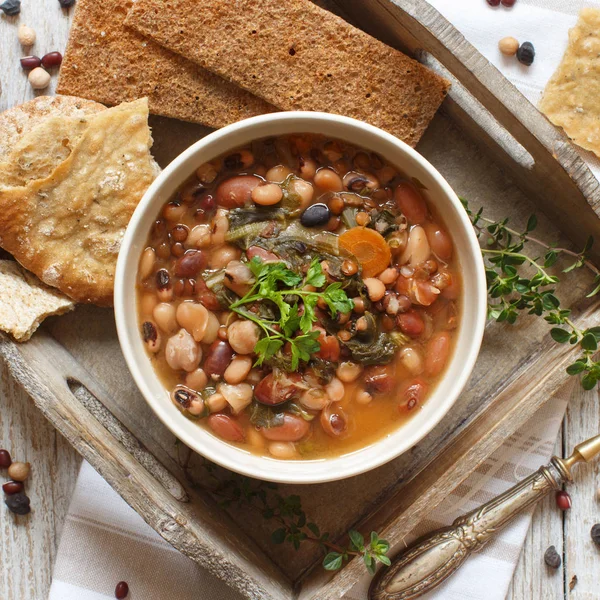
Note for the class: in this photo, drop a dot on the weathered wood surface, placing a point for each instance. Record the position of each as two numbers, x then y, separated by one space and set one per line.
148 486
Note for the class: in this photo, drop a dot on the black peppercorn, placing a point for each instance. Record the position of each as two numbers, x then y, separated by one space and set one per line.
66 3
18 503
551 558
11 7
595 533
526 53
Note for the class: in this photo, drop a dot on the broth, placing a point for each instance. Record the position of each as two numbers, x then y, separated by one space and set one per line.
336 235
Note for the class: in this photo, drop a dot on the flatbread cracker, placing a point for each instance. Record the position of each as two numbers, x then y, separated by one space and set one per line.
299 57
571 99
17 121
67 228
111 63
25 301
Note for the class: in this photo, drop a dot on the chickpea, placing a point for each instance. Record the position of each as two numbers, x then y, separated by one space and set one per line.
222 256
335 389
182 352
278 173
328 180
193 317
238 370
375 288
304 190
267 195
196 380
237 396
199 236
164 315
243 336
216 403
39 78
348 371
283 450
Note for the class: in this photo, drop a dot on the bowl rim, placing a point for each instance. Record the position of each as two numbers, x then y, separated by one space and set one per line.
242 461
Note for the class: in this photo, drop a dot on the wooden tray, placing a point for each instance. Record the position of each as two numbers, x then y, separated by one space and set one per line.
496 150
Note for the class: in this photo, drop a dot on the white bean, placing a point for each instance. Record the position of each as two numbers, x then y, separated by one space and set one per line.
242 336
212 328
199 236
147 263
348 371
193 317
417 248
216 402
278 173
164 315
238 370
304 190
315 399
267 195
182 352
196 380
222 256
411 359
220 227
285 450
335 389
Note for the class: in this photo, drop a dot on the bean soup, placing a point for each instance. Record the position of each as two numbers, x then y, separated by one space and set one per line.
298 297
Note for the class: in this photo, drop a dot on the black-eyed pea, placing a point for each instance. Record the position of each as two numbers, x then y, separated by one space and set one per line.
216 402
193 317
328 180
238 396
222 256
220 227
147 263
335 389
283 450
164 316
348 371
243 336
151 336
238 370
197 407
199 236
363 397
278 173
196 380
182 352
375 288
212 328
267 194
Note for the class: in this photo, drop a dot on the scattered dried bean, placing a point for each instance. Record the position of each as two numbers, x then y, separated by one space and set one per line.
563 500
52 59
5 459
19 471
121 590
526 53
12 487
30 62
26 35
11 7
595 533
18 503
551 558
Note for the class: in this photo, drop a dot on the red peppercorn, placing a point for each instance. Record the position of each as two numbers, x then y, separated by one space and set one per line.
5 459
29 63
12 487
52 59
563 500
508 3
121 590
493 2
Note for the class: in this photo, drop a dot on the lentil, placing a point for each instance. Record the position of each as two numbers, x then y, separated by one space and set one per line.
121 590
563 500
26 35
30 62
526 54
52 59
508 46
39 78
5 459
12 487
19 471
18 503
552 558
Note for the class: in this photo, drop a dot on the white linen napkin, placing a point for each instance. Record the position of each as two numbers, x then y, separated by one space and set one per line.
104 541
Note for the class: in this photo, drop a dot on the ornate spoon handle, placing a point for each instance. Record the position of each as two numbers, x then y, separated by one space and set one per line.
434 557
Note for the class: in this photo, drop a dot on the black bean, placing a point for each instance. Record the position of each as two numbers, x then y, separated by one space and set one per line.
5 459
526 53
18 503
11 7
595 533
121 590
12 487
551 558
315 215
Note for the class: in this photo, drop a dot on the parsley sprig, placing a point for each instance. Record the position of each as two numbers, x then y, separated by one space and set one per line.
295 301
512 292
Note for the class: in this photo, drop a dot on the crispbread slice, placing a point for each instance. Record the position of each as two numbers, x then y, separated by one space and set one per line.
25 301
68 227
571 99
111 63
298 56
17 121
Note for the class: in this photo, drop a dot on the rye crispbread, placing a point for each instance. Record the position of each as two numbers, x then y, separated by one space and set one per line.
111 63
25 301
299 57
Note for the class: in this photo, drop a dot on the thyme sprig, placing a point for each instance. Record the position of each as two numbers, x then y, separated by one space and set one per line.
511 292
291 523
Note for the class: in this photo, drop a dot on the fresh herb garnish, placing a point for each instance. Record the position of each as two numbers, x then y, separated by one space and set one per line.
286 289
511 292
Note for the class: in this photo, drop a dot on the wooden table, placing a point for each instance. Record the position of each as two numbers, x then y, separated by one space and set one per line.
28 545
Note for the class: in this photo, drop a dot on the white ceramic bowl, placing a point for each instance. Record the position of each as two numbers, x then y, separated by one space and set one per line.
469 334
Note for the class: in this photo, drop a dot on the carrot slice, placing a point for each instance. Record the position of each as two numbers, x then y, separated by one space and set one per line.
369 248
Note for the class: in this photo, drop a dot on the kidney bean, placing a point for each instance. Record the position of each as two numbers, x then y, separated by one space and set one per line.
52 59
273 390
294 428
12 487
226 427
410 202
438 349
411 393
439 241
411 323
379 378
334 420
263 254
236 191
190 263
206 296
330 347
121 590
218 357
